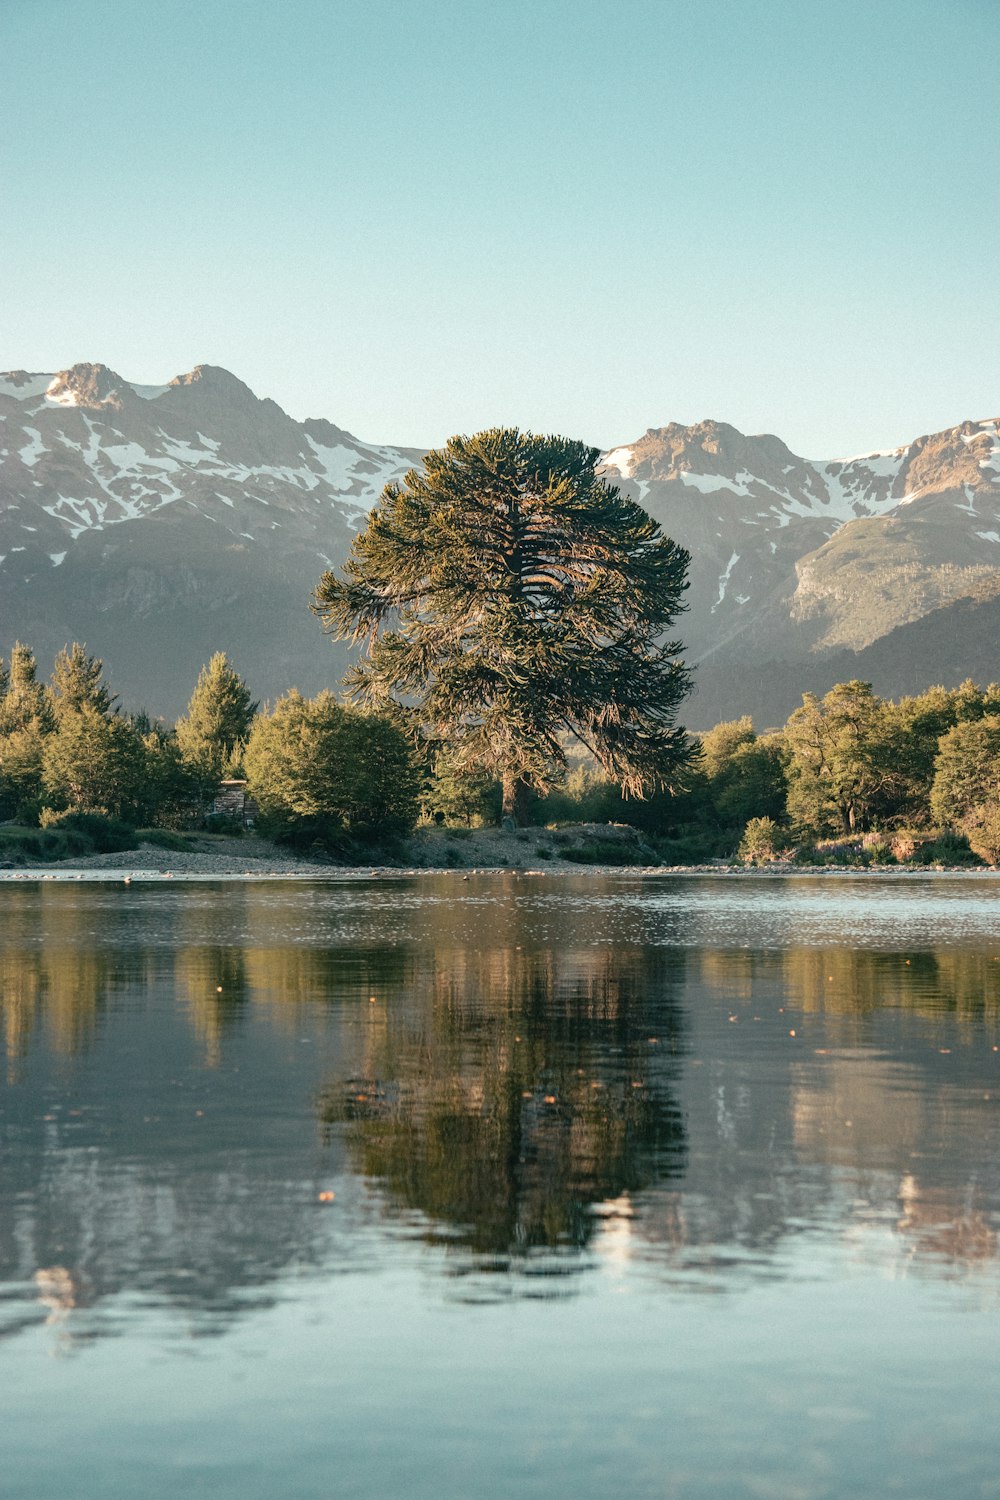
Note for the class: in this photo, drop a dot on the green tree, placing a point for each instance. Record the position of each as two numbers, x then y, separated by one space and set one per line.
217 721
333 770
25 721
757 846
967 770
78 682
20 770
843 764
746 774
509 596
172 792
95 764
25 703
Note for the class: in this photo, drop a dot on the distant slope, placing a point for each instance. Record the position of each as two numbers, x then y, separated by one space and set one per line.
946 646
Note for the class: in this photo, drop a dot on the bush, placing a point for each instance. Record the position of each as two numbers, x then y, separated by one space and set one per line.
757 846
982 829
598 851
223 823
694 847
163 838
99 834
948 848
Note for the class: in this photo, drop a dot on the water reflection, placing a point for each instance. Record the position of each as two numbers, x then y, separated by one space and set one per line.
211 1092
515 1090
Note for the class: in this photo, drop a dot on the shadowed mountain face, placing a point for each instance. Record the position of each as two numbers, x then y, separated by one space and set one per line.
162 523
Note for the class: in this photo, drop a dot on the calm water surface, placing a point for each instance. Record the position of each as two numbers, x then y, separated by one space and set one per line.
561 1186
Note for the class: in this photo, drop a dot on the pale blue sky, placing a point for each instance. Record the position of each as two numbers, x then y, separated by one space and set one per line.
418 217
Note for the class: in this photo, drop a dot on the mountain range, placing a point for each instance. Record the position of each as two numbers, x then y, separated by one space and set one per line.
162 523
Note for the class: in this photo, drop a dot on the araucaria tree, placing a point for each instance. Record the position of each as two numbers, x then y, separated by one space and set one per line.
510 598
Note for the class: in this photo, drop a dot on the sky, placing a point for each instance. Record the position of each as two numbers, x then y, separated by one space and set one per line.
422 217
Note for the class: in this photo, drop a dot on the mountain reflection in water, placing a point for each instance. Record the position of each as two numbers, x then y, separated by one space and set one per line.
518 1084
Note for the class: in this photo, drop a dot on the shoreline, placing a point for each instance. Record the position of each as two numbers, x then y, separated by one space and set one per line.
140 873
534 854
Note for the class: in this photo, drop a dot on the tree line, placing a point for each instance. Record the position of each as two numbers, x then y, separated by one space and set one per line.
850 775
70 754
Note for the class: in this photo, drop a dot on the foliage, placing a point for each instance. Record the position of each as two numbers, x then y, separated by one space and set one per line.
104 835
949 848
24 703
759 842
331 770
745 774
843 763
20 770
78 683
454 795
603 851
508 595
981 826
172 791
967 769
95 764
164 838
219 716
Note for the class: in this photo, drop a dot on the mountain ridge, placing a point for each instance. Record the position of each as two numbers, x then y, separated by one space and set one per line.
160 523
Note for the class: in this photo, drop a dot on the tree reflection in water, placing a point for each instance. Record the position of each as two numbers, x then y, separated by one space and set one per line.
516 1091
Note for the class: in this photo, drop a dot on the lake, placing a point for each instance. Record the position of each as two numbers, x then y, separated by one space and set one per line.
512 1186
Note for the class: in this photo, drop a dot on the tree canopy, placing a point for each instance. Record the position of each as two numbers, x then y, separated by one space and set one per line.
217 721
331 769
78 683
510 598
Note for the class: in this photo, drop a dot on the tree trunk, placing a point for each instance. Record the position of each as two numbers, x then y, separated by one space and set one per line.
515 800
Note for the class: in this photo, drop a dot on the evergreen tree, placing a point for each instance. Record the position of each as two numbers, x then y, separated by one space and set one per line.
95 764
509 596
25 703
217 721
77 682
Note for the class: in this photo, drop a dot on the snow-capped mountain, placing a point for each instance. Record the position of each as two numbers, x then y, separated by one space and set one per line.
793 559
154 521
98 451
160 523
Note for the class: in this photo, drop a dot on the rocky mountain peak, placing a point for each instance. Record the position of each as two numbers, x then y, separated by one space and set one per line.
217 381
90 386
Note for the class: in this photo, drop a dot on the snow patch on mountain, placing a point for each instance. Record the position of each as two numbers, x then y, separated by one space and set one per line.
724 581
619 459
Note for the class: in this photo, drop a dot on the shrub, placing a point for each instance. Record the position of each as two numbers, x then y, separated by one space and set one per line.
98 834
598 851
757 846
949 848
163 838
982 829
